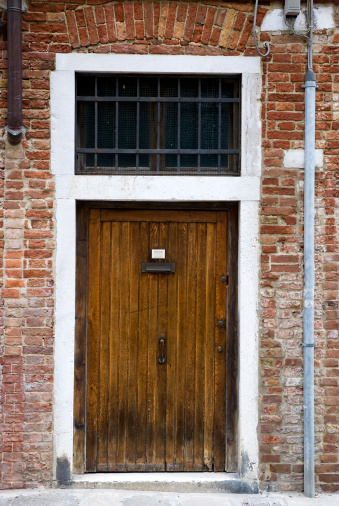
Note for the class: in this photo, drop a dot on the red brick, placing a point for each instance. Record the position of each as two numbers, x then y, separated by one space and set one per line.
148 20
129 21
72 29
110 23
190 21
208 25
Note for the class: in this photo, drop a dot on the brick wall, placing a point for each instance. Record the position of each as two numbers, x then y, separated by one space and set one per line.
202 28
282 264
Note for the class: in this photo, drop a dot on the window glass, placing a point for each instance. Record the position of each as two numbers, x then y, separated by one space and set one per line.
157 125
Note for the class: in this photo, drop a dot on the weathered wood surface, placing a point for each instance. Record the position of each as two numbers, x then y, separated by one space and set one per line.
142 415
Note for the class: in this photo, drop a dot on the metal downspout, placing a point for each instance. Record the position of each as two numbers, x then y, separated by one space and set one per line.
308 306
14 125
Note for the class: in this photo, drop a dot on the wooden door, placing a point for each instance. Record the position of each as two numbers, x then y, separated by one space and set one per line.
143 415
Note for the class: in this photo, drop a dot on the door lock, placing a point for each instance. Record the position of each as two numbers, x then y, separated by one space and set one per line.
220 349
221 324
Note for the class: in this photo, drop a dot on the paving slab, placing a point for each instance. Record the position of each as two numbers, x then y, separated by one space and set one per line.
87 497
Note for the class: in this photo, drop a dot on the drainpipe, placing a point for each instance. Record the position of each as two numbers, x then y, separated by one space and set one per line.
14 125
308 307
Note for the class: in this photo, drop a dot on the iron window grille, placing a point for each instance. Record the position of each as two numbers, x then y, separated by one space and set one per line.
157 125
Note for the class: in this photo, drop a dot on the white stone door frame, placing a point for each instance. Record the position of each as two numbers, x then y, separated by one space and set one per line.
244 189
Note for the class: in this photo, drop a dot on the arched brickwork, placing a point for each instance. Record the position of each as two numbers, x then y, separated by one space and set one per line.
178 27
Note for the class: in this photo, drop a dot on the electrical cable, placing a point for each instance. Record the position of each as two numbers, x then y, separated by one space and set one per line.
266 44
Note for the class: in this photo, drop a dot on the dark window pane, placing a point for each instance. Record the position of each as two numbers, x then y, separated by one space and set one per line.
189 88
85 86
171 162
189 161
143 161
105 160
229 89
106 125
171 126
208 161
209 126
127 86
127 161
90 160
106 86
210 88
127 125
168 87
86 121
148 87
144 125
189 126
230 126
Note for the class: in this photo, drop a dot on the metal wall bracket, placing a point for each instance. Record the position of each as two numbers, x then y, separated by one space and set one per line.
308 345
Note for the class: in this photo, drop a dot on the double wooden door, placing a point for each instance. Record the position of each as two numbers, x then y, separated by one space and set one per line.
156 367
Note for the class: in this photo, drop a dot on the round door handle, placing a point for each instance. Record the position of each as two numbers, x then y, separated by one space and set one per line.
220 324
220 349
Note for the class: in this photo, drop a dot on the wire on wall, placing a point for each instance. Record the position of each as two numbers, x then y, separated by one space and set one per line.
266 44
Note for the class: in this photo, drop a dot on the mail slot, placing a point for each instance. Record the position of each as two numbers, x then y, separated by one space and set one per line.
155 267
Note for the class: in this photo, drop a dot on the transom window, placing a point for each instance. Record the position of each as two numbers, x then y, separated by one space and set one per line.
157 125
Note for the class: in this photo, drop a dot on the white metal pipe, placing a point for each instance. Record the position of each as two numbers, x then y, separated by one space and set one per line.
308 312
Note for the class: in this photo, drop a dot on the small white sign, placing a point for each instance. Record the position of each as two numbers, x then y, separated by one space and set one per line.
158 253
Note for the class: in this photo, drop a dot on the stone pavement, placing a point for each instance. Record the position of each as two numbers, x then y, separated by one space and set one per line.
88 497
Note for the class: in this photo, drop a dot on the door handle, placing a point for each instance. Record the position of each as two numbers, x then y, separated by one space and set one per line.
161 358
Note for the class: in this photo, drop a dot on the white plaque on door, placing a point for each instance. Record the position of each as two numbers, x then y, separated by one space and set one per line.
158 253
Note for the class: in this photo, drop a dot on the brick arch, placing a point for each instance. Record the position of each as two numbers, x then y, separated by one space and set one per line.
178 27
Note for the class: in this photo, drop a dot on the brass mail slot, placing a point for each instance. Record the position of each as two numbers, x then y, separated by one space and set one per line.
155 267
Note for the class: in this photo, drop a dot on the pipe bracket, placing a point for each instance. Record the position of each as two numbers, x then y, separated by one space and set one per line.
310 84
308 345
15 9
15 132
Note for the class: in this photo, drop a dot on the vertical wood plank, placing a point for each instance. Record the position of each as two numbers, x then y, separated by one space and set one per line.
190 347
104 345
124 344
209 346
199 407
220 340
231 342
142 350
172 365
180 353
161 369
132 389
93 340
80 340
153 349
114 338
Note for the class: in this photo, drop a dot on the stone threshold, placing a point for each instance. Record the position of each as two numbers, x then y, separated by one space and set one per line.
165 482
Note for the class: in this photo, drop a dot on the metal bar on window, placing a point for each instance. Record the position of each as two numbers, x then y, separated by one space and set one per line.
219 129
160 99
158 125
96 124
199 124
161 151
239 125
116 158
137 124
168 129
179 127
